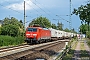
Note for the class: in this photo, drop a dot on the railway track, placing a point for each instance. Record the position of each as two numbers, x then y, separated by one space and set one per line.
12 48
22 51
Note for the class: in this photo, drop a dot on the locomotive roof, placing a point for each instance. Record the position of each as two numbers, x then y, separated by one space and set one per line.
33 27
37 27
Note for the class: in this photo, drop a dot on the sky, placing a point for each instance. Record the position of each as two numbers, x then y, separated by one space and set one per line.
54 10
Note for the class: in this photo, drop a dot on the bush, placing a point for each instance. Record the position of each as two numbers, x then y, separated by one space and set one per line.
88 34
8 40
19 40
0 30
11 30
88 42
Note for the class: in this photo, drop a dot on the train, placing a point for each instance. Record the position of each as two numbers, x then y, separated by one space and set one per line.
36 34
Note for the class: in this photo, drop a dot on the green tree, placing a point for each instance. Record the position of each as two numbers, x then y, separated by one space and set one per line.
73 30
83 28
60 26
11 30
0 30
67 30
21 22
54 26
11 23
84 13
88 34
6 21
41 21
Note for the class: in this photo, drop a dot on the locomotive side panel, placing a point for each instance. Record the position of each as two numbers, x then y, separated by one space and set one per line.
45 34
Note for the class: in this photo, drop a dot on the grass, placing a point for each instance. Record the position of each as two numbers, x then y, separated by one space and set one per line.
70 54
88 42
74 45
8 40
83 52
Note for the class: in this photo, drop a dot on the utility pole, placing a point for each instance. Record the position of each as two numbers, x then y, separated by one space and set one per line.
70 22
24 15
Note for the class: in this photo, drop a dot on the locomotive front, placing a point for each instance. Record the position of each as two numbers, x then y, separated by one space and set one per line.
31 34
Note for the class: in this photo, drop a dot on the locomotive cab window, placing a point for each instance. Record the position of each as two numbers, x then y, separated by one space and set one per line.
32 29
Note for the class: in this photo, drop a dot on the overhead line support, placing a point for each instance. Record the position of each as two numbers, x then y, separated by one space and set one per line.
70 23
24 16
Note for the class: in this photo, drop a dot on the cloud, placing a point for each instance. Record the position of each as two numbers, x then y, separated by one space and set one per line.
2 1
20 5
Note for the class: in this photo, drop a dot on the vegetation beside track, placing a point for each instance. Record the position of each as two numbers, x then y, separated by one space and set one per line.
8 40
70 53
88 34
67 54
88 42
83 52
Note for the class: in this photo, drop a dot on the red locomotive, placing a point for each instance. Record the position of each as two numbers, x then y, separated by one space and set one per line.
37 34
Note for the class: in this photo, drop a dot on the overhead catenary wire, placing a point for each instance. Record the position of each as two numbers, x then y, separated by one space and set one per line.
46 12
41 9
33 8
46 9
63 19
30 6
38 12
43 6
11 9
56 15
26 15
16 10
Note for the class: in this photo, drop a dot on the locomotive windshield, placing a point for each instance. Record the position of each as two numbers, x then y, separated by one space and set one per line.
32 29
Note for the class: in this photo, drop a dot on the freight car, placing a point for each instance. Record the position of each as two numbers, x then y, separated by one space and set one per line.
56 34
37 34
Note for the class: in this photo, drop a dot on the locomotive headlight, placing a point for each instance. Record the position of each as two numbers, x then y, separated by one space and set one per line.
35 35
27 34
